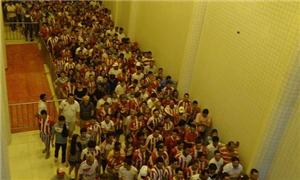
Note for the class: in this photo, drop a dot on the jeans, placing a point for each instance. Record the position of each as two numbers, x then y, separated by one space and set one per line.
63 153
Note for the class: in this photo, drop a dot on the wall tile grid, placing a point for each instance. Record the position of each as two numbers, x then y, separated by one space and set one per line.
240 76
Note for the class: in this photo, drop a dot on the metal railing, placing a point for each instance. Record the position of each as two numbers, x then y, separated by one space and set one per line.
21 30
24 115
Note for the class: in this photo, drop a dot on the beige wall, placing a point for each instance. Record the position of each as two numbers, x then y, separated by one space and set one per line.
239 76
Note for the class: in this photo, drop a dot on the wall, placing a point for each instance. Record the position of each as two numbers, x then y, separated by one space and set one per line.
244 55
157 26
5 123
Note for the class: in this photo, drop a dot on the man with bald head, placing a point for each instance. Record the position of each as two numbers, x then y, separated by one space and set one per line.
86 111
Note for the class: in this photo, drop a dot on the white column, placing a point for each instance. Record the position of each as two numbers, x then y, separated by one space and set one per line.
191 47
5 121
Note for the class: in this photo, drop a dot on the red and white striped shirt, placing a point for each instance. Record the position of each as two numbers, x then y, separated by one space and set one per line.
183 160
169 173
139 158
151 141
156 173
190 171
45 125
153 122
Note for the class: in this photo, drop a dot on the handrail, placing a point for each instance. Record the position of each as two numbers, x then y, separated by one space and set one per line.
15 104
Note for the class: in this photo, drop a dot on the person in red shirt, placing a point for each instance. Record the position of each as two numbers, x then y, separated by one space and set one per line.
177 149
229 151
191 135
171 141
114 163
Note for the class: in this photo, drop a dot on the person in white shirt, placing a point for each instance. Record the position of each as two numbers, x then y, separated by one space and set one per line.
138 75
70 109
121 88
115 70
127 171
101 101
88 169
217 160
107 125
42 104
213 146
234 168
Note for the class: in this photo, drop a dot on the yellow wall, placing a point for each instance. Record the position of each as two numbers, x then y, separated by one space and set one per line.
239 76
160 27
286 161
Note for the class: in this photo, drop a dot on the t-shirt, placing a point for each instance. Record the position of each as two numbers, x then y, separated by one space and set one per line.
124 174
234 172
107 126
56 131
69 110
219 163
88 171
42 106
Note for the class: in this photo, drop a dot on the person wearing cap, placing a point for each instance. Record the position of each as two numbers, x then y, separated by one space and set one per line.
115 70
86 111
144 173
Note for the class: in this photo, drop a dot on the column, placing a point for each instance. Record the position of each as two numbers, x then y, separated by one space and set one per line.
5 121
191 47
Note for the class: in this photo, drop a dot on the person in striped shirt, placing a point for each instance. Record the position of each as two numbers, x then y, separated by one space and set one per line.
170 170
229 151
157 172
193 169
152 139
140 157
184 158
45 128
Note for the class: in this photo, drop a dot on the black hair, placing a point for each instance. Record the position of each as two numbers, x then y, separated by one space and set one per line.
61 118
43 112
42 96
83 129
74 143
205 111
159 159
91 144
253 170
212 167
234 158
128 161
217 151
178 169
195 102
215 139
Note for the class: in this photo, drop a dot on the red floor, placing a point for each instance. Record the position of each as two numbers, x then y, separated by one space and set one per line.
26 80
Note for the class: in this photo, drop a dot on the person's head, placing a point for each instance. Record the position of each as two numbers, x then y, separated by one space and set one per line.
254 174
90 159
217 155
160 149
71 98
86 99
43 97
186 149
107 118
160 162
179 173
142 148
193 127
173 162
195 164
212 168
117 152
215 140
91 145
214 132
156 113
61 120
235 162
156 133
230 146
128 163
44 114
83 131
186 96
205 112
243 177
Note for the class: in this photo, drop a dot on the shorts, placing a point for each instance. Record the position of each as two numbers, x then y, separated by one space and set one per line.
70 125
46 139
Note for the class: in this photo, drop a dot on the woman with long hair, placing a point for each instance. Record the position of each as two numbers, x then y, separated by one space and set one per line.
73 154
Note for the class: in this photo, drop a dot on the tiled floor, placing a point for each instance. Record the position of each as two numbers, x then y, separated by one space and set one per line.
27 162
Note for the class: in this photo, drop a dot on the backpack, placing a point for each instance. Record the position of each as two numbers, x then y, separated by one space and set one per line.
65 131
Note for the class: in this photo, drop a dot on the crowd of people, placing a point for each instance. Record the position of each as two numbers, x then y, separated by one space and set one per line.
133 123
